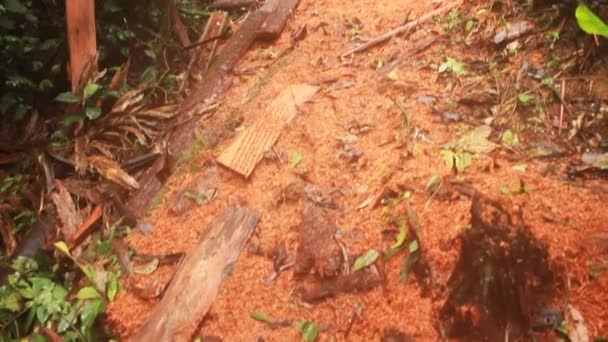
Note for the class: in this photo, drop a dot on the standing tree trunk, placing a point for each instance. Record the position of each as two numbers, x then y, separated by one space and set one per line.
82 41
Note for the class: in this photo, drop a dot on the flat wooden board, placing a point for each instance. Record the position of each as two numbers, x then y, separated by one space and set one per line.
197 282
248 149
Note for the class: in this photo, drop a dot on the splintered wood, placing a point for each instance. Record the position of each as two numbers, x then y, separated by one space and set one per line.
248 149
197 282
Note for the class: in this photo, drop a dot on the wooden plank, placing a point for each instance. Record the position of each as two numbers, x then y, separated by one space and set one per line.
82 40
248 149
276 21
196 284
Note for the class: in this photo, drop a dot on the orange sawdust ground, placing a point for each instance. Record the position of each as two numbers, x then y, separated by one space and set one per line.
314 133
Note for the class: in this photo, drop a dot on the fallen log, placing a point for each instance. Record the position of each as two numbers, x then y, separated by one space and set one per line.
217 81
231 4
276 21
197 282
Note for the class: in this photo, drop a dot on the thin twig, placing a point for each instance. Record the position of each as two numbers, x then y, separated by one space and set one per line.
401 29
561 109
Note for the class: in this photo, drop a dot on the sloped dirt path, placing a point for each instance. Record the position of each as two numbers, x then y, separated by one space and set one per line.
354 94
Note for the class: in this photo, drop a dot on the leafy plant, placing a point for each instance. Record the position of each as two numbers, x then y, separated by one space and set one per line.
34 298
589 21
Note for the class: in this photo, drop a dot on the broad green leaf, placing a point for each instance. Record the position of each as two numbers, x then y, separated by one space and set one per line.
90 90
309 330
11 302
260 316
67 97
90 311
589 22
92 113
296 158
509 137
365 260
148 75
88 292
469 25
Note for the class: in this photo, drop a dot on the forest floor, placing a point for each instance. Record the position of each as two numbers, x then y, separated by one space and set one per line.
370 133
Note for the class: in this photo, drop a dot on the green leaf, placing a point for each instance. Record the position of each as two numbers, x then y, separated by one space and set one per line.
589 22
452 65
67 97
400 237
393 76
148 75
112 286
11 302
524 97
469 25
260 316
365 260
14 6
88 292
90 90
93 113
309 330
71 119
63 248
90 311
296 158
509 137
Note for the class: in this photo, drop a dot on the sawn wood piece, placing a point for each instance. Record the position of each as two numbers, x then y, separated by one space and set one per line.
248 149
196 283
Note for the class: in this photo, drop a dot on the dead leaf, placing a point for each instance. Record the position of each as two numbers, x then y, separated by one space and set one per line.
577 330
6 232
66 210
120 76
476 141
110 170
147 267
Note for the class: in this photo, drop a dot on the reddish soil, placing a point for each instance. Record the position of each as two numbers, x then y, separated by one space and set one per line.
383 163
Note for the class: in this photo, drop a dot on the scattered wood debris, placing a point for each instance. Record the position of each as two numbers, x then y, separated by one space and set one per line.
317 251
